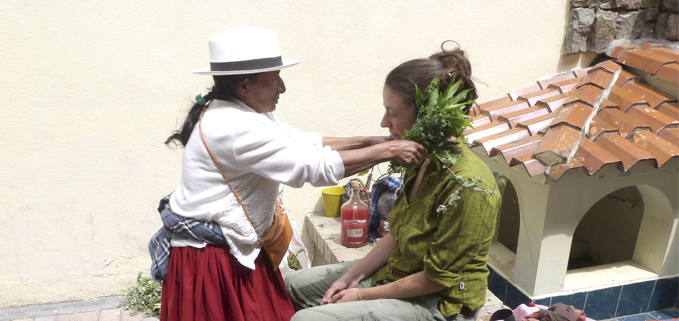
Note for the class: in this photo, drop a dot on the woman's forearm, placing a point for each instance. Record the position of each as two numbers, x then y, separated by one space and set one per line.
403 152
374 260
411 286
349 143
356 160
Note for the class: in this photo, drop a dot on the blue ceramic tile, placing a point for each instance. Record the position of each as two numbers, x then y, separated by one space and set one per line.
665 314
490 274
634 298
498 285
664 294
514 297
636 317
546 302
601 304
577 300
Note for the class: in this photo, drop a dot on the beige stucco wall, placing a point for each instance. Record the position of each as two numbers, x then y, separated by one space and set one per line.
91 89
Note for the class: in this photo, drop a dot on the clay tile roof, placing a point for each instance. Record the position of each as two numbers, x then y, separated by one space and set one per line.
645 60
565 86
587 119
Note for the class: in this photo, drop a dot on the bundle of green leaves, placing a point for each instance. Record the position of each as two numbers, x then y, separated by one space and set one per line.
440 116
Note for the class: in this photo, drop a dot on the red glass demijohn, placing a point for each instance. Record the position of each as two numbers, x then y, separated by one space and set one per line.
355 215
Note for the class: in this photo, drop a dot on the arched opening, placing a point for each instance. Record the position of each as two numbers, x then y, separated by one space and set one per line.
608 231
509 216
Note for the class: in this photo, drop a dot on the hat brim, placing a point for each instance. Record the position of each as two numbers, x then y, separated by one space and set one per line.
206 71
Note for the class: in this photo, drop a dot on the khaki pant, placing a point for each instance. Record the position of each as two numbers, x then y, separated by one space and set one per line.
307 287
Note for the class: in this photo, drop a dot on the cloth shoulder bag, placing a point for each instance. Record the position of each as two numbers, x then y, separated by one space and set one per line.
276 240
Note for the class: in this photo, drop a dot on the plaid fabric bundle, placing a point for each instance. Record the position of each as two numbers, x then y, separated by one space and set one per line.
178 227
382 185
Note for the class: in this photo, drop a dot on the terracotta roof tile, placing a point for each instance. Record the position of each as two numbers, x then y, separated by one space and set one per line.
625 150
488 142
557 171
516 148
669 109
501 100
557 144
644 60
644 93
625 77
475 110
586 94
524 114
599 78
624 99
671 135
661 149
650 46
553 103
669 73
497 110
608 66
537 124
595 157
622 48
526 90
575 115
653 118
623 122
566 86
608 104
581 72
480 120
674 55
600 126
560 78
532 98
542 130
533 166
486 130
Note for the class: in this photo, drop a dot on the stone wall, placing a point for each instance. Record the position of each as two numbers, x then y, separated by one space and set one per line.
595 24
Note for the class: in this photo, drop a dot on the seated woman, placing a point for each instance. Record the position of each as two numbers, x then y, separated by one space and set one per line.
432 265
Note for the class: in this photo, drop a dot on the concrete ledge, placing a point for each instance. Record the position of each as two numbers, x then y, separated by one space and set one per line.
325 232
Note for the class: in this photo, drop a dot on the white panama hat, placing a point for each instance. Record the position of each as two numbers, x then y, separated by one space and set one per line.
245 50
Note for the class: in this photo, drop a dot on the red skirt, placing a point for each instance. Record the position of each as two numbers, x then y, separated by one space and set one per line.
210 285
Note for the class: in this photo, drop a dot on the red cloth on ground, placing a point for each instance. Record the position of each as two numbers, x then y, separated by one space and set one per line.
210 285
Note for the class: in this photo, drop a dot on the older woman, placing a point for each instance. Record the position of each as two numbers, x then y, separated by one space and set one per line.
431 266
257 153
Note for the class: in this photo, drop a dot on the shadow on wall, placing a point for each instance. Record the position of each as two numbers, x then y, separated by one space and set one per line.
608 232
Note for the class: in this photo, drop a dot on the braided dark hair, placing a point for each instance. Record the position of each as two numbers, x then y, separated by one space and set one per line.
451 65
223 89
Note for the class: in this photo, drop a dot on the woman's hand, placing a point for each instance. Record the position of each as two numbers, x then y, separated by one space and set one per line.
338 287
406 152
348 295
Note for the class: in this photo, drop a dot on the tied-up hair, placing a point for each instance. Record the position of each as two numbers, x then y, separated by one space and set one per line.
450 65
223 89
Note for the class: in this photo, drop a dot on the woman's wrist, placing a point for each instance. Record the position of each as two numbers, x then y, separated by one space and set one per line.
374 140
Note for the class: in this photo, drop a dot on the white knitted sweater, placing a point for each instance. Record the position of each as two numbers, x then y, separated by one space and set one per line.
258 153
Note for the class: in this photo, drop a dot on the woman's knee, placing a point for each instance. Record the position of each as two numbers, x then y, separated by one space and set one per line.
312 314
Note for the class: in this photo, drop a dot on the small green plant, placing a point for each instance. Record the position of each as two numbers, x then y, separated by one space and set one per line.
144 296
293 262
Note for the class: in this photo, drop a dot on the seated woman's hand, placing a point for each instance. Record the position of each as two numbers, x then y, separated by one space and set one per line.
348 295
406 152
336 288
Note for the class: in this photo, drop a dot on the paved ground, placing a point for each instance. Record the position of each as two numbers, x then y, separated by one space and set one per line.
102 309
